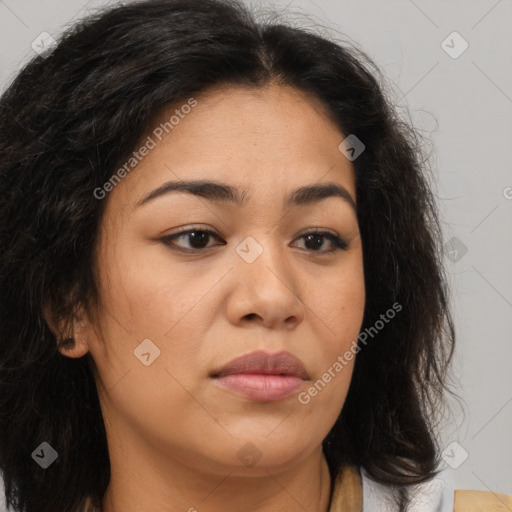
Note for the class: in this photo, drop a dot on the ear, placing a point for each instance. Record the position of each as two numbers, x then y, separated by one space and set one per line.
72 334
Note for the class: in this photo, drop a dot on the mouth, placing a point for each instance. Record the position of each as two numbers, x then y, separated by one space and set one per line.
262 377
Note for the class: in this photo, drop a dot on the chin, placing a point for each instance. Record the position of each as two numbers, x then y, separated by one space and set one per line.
261 456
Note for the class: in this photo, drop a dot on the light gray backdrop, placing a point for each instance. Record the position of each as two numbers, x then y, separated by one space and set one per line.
462 100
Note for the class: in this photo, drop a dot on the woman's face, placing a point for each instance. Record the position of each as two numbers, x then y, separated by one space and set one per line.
175 311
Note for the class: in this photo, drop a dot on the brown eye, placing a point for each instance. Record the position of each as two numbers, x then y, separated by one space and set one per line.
316 239
197 239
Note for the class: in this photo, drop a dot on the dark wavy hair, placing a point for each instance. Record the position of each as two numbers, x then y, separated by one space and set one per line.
69 119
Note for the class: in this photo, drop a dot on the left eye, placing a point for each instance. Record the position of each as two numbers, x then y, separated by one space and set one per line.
316 238
198 240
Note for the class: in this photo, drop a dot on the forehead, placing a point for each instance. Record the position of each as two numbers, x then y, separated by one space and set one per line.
275 138
238 118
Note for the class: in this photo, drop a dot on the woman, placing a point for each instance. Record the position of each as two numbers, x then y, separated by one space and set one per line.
220 275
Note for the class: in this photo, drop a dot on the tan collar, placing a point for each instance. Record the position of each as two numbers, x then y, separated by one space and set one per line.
347 495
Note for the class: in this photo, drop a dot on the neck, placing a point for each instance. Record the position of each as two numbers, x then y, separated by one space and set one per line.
149 481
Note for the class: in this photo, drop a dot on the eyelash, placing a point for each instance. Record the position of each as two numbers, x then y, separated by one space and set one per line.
338 242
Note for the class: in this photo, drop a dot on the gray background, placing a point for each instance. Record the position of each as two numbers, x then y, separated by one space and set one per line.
464 107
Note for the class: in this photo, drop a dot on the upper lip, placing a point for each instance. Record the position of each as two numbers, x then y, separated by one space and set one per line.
260 362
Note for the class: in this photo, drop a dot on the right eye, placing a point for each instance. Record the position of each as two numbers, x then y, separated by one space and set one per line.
197 238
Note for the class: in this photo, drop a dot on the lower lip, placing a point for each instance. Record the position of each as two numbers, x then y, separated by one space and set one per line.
261 388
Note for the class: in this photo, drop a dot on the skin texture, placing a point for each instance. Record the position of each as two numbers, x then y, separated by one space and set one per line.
173 433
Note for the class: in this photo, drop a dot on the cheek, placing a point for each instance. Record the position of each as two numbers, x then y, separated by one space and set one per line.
338 308
151 295
143 301
336 349
150 315
337 302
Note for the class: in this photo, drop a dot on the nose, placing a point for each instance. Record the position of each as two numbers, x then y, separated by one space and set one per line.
266 291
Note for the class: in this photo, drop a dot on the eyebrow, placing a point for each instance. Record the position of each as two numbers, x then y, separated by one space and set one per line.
223 192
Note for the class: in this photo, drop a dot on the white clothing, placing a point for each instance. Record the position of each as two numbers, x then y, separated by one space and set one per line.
437 495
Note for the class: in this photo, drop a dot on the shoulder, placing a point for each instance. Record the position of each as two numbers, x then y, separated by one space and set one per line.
481 501
436 495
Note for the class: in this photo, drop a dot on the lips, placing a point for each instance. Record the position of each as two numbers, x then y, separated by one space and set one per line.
262 377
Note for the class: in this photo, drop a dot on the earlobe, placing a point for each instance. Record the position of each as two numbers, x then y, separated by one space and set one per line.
71 335
77 344
71 347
